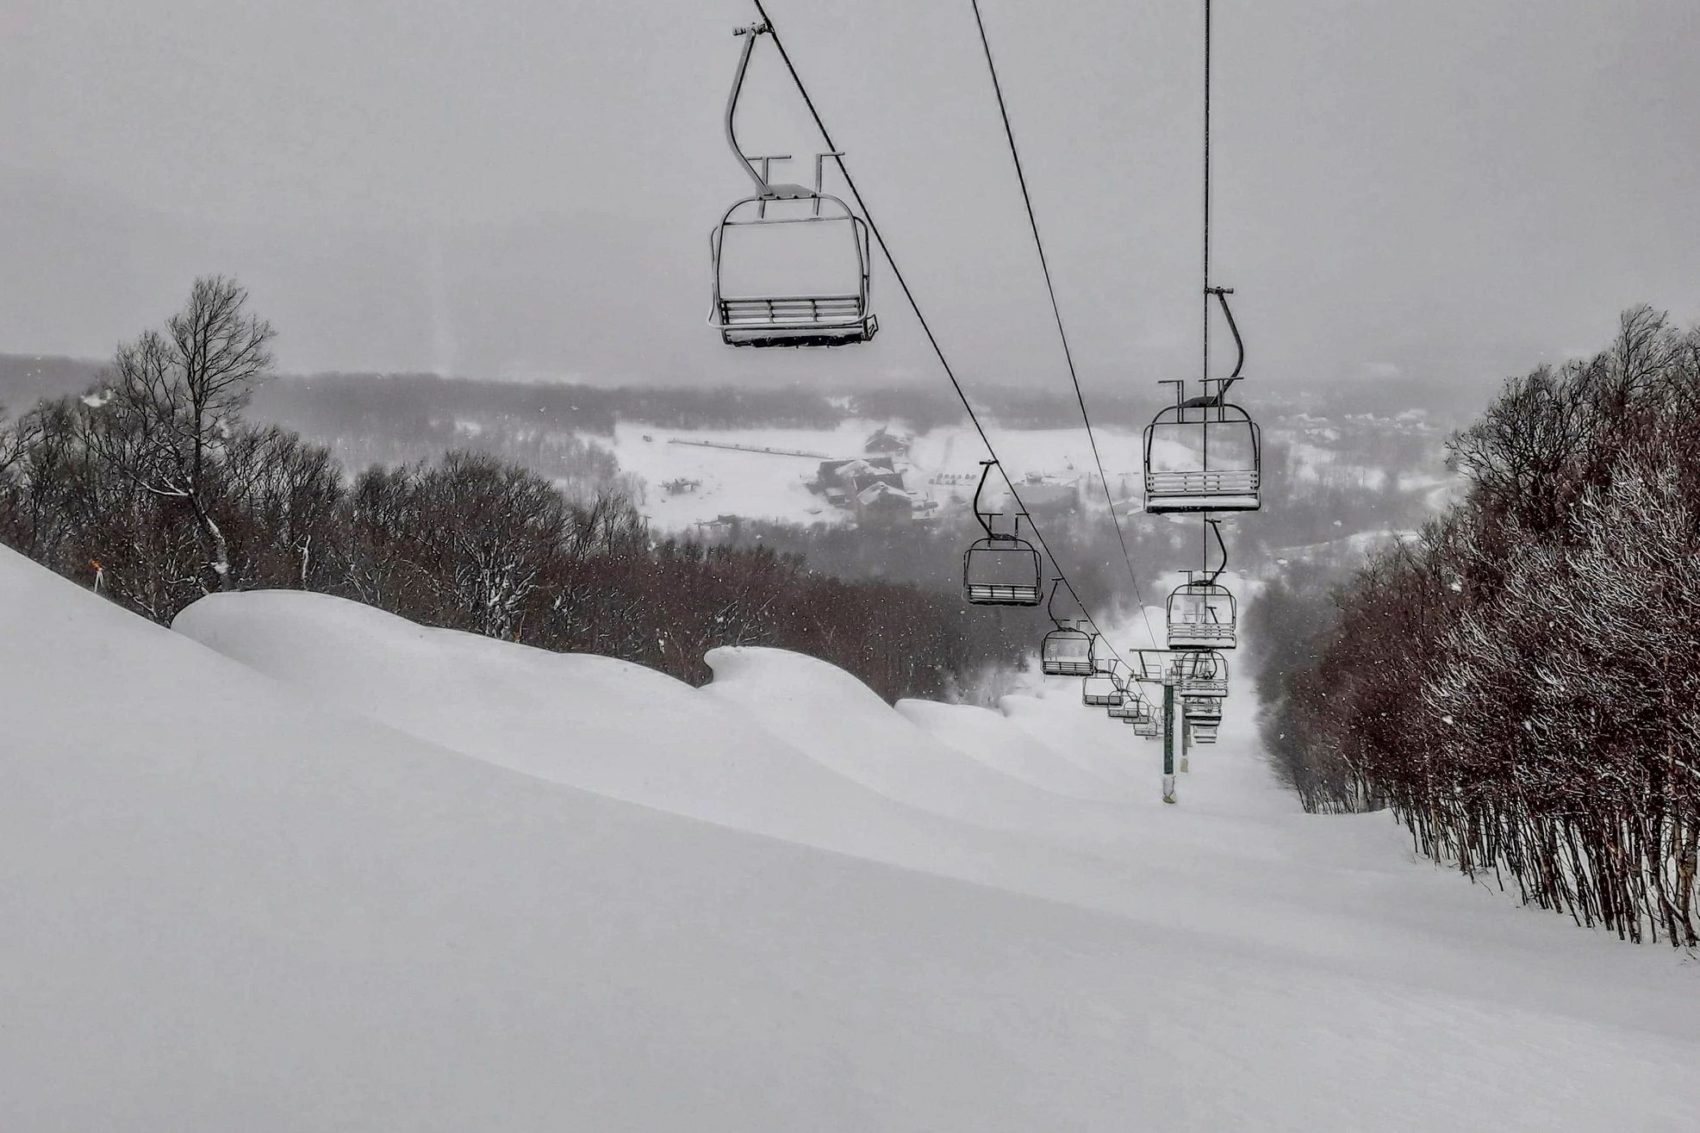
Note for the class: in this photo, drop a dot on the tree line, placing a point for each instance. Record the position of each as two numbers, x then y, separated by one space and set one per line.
1520 684
155 489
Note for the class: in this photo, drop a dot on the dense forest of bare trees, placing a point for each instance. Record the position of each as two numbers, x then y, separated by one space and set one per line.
1521 684
154 489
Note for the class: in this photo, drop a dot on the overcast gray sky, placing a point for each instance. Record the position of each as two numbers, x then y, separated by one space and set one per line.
1439 191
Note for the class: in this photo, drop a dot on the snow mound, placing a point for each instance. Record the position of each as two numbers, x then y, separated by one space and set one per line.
987 737
870 742
598 723
230 904
609 727
1087 738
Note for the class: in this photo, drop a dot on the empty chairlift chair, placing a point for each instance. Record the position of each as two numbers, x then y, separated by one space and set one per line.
792 265
1204 453
1100 690
1203 717
1000 569
1132 709
1203 709
1066 650
1202 616
1204 675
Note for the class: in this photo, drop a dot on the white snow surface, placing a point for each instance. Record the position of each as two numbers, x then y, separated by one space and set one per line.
338 872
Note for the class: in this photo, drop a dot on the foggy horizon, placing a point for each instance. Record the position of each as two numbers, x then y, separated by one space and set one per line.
1441 197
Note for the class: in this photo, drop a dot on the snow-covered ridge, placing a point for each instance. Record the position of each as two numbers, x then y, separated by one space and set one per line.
337 871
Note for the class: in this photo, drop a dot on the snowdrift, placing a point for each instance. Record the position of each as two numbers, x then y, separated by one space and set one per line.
598 723
616 729
232 904
986 737
792 696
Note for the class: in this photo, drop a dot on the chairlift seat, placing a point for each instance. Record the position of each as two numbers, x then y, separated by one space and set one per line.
1002 594
1201 635
787 191
823 320
1171 493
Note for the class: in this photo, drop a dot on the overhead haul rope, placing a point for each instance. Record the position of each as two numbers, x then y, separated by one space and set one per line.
1207 7
915 306
1056 311
1220 293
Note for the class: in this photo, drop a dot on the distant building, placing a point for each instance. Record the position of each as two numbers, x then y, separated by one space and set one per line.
840 481
1051 499
884 442
882 503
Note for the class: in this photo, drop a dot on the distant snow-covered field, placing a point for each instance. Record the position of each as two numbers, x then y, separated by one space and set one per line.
942 465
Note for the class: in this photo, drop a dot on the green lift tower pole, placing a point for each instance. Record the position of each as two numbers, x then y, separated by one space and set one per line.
1171 722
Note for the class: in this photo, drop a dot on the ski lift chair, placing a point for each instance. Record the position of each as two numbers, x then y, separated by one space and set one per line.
1132 709
789 219
1203 709
1204 674
1202 616
1000 569
1067 650
1204 453
1100 690
1203 716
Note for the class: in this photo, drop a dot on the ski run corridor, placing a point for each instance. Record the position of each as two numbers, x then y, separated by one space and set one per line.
297 864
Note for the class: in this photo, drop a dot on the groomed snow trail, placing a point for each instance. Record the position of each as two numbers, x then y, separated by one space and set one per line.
238 899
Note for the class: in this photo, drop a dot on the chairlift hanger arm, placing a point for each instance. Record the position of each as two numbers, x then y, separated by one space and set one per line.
983 517
750 34
1222 294
1051 603
1215 527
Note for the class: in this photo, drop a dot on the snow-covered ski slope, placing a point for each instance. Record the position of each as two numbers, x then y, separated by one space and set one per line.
338 872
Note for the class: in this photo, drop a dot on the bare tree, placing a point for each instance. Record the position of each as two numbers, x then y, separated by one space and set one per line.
173 404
